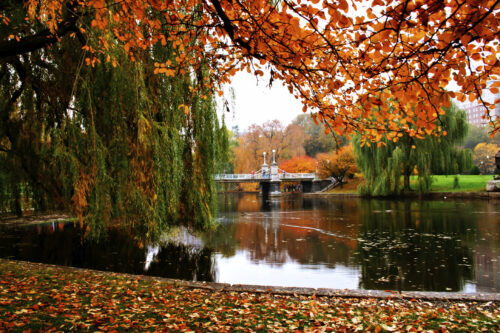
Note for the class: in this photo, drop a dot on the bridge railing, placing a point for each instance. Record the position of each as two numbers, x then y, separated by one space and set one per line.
249 176
237 176
287 175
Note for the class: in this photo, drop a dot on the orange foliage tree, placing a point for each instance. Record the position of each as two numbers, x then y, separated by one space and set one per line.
484 157
288 142
299 164
341 58
339 164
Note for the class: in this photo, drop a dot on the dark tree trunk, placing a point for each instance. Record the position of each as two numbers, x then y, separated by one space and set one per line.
406 181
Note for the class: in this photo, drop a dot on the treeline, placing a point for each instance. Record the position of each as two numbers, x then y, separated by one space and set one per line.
386 165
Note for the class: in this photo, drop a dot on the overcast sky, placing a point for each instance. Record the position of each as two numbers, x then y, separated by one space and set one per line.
255 102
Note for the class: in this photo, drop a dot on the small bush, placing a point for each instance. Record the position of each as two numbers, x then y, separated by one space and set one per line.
475 170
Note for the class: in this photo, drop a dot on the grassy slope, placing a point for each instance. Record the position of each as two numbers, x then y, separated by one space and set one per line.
467 183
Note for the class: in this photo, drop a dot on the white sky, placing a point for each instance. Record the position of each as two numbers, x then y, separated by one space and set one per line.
255 102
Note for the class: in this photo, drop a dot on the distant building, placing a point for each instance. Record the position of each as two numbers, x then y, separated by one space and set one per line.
476 111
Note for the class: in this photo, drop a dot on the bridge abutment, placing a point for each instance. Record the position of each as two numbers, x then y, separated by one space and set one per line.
270 188
264 188
307 186
316 185
275 188
320 184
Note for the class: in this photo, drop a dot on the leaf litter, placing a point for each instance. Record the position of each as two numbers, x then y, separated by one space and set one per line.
36 297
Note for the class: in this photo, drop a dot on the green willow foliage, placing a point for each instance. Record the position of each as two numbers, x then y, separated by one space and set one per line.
387 169
113 145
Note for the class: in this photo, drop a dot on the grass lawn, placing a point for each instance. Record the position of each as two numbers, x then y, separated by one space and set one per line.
467 183
440 183
36 297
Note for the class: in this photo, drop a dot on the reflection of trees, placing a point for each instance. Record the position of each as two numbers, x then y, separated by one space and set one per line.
118 252
227 203
405 245
417 245
239 202
317 235
487 250
52 243
222 239
292 202
249 203
183 262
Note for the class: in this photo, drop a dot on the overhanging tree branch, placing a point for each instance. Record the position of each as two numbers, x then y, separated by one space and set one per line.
43 39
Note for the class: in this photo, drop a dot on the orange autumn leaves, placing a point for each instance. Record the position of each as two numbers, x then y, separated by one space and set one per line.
338 164
380 67
299 164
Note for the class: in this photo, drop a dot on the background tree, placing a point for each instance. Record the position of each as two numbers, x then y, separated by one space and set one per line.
227 142
384 165
287 141
484 157
317 141
339 164
248 152
299 164
478 134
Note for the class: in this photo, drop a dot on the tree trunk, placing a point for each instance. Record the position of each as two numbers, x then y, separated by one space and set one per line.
16 203
406 181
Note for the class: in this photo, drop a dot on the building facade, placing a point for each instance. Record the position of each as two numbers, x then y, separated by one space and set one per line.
476 112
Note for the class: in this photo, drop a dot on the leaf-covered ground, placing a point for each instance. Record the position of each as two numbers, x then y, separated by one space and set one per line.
43 298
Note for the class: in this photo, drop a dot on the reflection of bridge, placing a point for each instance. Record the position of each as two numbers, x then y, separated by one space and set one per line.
270 179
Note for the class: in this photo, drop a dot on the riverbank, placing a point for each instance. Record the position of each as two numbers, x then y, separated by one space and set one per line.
37 218
44 297
443 187
431 195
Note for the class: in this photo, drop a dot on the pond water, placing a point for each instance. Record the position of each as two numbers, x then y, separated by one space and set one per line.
296 241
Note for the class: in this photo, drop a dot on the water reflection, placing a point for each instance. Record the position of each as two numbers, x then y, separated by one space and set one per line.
487 251
421 245
397 245
65 244
324 234
296 241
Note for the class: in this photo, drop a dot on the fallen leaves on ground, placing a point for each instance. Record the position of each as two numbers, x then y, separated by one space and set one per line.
45 298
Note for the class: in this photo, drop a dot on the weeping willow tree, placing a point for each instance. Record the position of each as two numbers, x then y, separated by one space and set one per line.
111 141
387 167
